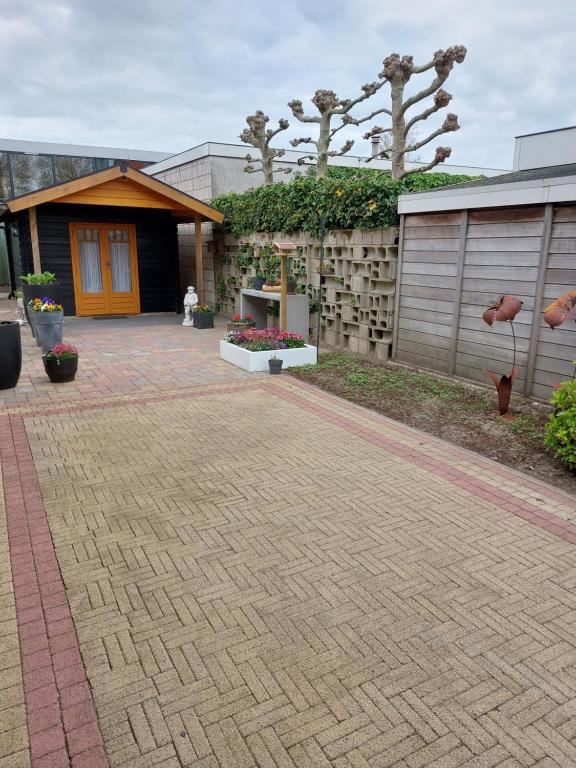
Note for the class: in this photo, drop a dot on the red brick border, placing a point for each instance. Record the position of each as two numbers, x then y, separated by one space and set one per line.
545 520
62 723
63 727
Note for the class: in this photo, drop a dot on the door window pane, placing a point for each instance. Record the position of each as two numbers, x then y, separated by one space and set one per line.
90 262
119 249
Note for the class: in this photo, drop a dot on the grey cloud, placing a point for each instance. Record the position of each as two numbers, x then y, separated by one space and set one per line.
169 75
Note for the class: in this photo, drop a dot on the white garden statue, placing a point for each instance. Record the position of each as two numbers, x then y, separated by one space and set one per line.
190 302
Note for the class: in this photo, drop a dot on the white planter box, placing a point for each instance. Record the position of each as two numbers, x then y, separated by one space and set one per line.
258 361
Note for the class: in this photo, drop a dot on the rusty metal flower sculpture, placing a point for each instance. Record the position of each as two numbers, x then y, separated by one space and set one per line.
505 310
561 310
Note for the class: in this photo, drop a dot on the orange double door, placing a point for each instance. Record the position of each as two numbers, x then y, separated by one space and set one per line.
105 269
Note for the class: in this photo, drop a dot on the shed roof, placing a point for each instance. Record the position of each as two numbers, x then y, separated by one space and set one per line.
120 186
555 183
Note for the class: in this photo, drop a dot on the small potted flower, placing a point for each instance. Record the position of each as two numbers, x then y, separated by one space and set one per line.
61 363
257 282
48 319
203 316
275 365
240 323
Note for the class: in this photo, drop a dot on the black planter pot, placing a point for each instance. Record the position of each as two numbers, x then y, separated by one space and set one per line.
10 354
52 291
60 371
275 366
203 319
258 283
290 287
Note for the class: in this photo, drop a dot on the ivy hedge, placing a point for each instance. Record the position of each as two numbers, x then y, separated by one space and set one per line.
349 198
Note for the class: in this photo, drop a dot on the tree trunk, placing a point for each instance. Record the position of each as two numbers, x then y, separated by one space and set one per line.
323 145
398 131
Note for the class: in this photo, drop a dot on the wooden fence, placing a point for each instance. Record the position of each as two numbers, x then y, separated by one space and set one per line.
454 265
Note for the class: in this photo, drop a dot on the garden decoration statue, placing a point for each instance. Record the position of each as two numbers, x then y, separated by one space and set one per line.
561 310
505 309
190 302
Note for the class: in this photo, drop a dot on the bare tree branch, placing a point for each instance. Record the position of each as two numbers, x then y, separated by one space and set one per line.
398 72
441 154
258 136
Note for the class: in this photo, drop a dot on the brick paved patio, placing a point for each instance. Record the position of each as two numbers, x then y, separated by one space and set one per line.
210 568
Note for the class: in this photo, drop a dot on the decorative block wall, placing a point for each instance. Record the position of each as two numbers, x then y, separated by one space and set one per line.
359 280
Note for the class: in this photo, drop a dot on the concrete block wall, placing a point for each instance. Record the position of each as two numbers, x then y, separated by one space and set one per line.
195 179
359 283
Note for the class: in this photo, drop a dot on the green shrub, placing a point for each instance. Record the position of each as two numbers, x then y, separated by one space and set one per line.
349 198
560 431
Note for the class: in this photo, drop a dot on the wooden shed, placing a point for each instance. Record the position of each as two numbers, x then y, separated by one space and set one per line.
463 246
111 239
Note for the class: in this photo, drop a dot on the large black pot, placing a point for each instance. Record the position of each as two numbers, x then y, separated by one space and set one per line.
203 319
52 291
10 354
60 371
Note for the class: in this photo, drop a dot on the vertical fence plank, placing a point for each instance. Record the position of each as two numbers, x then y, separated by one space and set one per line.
397 289
541 280
458 296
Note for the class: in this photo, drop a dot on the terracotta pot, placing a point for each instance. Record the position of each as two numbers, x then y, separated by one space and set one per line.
233 326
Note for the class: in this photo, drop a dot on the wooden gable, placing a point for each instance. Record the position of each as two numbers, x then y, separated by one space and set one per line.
123 192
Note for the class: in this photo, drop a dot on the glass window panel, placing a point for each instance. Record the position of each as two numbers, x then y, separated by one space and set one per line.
30 172
119 249
68 167
90 262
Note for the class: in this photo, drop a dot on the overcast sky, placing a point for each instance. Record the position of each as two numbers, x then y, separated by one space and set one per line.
171 74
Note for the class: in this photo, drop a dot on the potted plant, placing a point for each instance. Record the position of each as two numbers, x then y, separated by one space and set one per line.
50 288
203 316
48 318
61 363
10 353
275 365
251 349
240 323
258 281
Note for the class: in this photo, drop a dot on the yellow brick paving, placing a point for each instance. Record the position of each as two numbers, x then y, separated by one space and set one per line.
253 585
14 751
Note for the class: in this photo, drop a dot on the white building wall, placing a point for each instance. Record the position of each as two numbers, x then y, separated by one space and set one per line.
541 150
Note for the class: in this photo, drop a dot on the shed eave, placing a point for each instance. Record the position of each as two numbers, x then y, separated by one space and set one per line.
553 190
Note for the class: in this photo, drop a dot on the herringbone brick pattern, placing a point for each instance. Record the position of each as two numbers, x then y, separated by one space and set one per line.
255 582
14 752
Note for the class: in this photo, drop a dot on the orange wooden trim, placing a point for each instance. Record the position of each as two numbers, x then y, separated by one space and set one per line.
35 241
59 190
283 291
104 303
96 179
175 194
199 259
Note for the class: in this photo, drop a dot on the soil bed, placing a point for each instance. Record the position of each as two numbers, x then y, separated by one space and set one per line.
463 414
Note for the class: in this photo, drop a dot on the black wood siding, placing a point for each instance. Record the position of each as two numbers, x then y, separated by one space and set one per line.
156 241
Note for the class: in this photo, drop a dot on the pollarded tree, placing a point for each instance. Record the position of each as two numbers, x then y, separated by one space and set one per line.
328 105
398 71
259 136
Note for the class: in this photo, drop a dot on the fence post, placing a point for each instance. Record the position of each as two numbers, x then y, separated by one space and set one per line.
541 280
458 296
397 284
